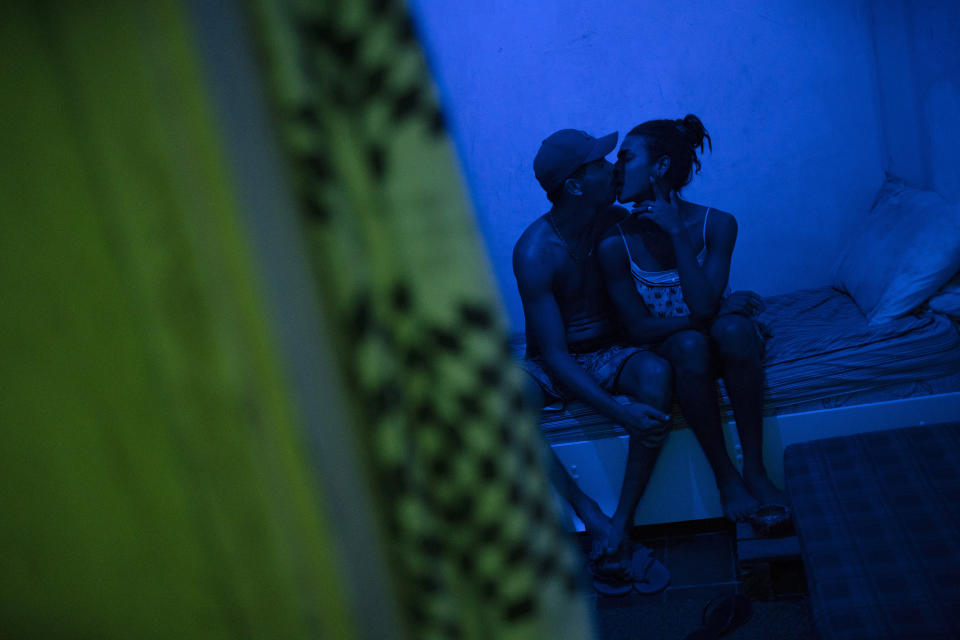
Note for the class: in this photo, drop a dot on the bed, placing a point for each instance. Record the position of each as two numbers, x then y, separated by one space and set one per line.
879 349
820 353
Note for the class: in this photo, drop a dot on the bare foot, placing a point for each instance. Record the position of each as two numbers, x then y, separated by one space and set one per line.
619 547
603 536
611 552
738 503
763 489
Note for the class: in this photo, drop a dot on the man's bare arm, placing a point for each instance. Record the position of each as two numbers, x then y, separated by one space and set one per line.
545 326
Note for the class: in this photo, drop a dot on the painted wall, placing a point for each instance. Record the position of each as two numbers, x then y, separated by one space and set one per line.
917 47
787 90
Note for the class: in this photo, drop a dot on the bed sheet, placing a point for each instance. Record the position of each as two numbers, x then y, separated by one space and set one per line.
820 354
820 346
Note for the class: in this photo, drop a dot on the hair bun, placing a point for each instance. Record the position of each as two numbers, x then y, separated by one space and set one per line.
677 139
694 131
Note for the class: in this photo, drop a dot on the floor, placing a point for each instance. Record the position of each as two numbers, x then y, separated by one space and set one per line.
702 562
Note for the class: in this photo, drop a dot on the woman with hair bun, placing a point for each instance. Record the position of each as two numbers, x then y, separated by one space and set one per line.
666 268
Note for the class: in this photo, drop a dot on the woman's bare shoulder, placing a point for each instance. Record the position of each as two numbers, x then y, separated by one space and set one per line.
712 211
712 216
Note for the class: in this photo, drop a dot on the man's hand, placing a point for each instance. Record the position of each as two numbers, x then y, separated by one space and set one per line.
662 211
745 303
644 422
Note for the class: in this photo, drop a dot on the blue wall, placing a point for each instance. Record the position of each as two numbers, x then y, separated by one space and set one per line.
790 92
917 45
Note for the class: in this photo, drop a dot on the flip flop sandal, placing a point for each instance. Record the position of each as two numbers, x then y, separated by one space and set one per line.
771 521
722 615
612 586
649 574
610 579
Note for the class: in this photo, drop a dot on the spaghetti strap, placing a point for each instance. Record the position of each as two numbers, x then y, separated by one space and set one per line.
705 217
625 244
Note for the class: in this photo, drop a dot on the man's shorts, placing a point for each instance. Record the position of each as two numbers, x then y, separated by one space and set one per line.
603 365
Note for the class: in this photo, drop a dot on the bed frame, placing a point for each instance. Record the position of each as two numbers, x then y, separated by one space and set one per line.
682 487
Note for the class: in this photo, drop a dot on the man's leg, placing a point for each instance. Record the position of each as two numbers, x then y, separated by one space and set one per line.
645 377
594 521
688 353
741 354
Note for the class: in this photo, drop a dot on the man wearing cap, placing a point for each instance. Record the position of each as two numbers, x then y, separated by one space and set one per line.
574 344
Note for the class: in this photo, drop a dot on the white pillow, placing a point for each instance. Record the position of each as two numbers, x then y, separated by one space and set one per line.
947 299
906 248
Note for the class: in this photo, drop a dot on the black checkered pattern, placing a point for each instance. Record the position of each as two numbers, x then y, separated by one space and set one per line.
463 464
476 543
360 60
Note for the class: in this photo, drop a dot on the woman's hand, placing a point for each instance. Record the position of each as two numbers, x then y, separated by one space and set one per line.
663 211
745 303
